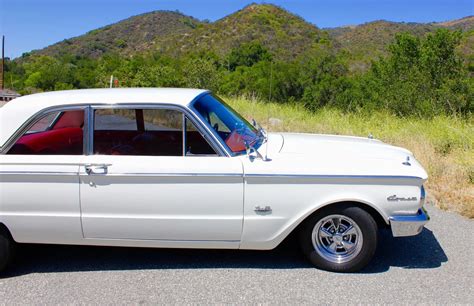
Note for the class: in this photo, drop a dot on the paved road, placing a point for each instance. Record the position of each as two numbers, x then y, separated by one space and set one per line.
435 267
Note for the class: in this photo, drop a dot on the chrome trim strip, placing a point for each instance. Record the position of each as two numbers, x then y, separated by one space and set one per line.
160 240
138 174
89 131
38 173
317 176
183 140
42 164
125 174
289 176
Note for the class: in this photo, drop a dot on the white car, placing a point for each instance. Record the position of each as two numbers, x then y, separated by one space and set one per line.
178 168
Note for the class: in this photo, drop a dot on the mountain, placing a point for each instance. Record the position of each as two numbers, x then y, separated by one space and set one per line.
135 34
286 35
283 33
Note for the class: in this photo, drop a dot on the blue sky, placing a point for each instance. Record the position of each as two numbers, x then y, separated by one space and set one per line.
34 24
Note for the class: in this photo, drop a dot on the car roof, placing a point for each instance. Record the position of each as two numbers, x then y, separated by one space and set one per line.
18 110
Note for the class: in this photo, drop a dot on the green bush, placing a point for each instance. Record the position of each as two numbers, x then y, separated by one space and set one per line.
420 77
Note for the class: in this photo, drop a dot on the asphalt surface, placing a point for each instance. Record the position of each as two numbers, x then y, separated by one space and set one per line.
436 267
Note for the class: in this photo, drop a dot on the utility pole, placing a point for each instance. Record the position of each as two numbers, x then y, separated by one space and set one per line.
271 81
3 63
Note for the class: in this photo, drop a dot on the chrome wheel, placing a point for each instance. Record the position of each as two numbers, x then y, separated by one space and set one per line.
337 238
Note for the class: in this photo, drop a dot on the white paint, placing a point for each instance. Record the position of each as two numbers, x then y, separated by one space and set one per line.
204 202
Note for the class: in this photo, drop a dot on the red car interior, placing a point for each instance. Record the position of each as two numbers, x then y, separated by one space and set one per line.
65 141
235 141
65 137
70 119
151 143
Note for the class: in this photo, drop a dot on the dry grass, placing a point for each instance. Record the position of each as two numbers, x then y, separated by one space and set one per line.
444 145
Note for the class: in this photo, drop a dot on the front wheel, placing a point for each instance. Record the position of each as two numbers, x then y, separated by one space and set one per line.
340 239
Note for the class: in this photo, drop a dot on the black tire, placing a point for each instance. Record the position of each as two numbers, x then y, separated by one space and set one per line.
317 251
7 249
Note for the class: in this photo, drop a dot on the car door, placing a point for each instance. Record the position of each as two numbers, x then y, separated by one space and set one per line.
153 176
39 181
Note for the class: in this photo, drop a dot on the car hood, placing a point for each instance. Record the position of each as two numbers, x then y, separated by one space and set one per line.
343 146
339 155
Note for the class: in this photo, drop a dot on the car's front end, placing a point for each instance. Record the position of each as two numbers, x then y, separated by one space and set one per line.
411 224
335 191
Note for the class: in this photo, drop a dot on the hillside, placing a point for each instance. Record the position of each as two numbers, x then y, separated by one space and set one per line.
135 34
284 34
370 40
465 24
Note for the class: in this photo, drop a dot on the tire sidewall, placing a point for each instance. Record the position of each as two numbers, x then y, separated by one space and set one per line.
6 250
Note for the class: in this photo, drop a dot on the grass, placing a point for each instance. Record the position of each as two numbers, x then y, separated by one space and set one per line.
444 145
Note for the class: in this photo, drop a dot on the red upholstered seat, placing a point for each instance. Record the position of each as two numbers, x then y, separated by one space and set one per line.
63 141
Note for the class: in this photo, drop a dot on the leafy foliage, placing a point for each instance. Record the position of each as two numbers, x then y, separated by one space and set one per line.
265 52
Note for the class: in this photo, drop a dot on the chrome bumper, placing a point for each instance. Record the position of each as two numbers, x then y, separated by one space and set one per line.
409 225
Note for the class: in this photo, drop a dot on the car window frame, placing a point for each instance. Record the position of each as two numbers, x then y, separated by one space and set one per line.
221 148
41 114
186 115
209 128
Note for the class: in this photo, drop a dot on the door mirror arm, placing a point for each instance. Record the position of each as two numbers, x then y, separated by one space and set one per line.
253 153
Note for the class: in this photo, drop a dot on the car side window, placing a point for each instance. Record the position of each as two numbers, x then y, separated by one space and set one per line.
196 144
56 133
150 132
147 132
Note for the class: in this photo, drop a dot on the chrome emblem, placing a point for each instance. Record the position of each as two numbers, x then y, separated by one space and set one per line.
394 198
265 209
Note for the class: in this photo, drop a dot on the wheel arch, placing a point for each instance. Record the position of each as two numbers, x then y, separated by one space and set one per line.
379 218
376 214
4 229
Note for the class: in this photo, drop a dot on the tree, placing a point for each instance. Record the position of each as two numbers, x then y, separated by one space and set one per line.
247 55
420 77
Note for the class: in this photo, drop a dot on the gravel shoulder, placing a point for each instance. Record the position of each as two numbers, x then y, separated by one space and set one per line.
435 267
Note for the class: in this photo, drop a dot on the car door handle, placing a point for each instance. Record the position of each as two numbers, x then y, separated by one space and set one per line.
96 168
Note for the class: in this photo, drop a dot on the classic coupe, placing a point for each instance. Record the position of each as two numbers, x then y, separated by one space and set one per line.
179 168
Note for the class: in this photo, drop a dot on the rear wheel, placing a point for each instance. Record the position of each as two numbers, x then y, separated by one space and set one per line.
7 246
340 239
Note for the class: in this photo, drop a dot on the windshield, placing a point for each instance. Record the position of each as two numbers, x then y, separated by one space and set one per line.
232 129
